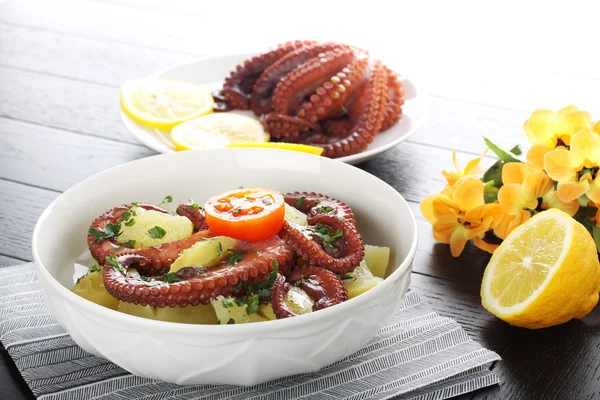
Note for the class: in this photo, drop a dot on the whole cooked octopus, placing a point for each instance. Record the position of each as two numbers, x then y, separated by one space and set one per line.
329 95
294 256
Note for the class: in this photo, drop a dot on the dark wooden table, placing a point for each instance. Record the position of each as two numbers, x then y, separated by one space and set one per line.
61 64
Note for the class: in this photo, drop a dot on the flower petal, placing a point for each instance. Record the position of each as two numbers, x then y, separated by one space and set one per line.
593 193
569 191
585 150
444 227
426 207
511 199
557 164
468 193
514 172
535 156
483 245
551 200
510 222
535 186
596 127
458 240
540 127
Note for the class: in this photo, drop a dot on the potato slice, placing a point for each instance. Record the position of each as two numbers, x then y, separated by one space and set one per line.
200 314
204 253
91 287
228 312
360 280
299 301
137 310
144 231
377 259
266 311
295 216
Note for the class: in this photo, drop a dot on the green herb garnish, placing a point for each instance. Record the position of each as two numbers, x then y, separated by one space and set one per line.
300 282
231 321
253 303
227 302
324 209
237 210
167 199
219 249
110 231
323 231
346 277
171 277
131 222
95 268
114 249
300 201
134 204
157 232
130 243
128 214
235 256
112 260
194 204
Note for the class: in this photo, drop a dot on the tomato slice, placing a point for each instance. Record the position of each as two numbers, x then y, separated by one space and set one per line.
252 214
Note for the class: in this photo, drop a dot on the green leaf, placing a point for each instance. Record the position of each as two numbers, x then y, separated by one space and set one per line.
95 268
171 277
583 200
110 231
516 150
494 174
300 201
219 249
167 199
490 192
157 232
235 256
231 321
130 243
324 209
503 155
227 302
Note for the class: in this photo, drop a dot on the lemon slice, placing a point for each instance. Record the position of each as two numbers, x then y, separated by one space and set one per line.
545 273
217 130
163 104
304 148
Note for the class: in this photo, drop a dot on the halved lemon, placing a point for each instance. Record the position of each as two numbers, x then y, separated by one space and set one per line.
545 273
283 146
217 130
163 104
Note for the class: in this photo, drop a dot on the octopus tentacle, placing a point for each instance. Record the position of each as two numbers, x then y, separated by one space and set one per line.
238 86
322 285
306 78
338 127
332 97
286 126
395 100
301 241
194 215
100 249
264 86
313 204
366 112
199 285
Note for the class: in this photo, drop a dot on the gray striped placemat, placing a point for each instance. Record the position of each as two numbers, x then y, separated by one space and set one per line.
418 355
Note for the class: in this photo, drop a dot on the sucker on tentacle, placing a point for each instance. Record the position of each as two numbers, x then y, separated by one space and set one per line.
301 240
313 204
322 285
193 214
196 285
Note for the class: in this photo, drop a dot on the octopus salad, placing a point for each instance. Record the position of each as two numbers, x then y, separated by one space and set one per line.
247 255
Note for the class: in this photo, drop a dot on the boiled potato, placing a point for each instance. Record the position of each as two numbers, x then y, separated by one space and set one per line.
266 311
299 301
137 309
377 259
200 314
91 287
144 230
228 312
295 216
360 281
204 253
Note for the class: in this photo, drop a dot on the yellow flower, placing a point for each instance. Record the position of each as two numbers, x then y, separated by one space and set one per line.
460 214
472 168
510 222
551 200
573 168
522 186
546 127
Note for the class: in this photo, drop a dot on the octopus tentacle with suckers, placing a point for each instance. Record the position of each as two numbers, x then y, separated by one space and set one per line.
301 87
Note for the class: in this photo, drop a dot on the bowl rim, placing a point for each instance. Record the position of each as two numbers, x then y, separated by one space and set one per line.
270 325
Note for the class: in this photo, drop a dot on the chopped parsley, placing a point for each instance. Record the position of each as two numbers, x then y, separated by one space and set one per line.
127 215
259 292
157 232
110 231
112 260
235 256
219 249
300 201
324 209
300 282
231 321
256 252
324 232
131 222
171 277
253 303
134 204
227 302
114 249
267 200
346 277
95 268
130 243
194 204
167 199
237 210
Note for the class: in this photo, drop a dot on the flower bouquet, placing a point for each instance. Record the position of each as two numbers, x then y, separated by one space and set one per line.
560 170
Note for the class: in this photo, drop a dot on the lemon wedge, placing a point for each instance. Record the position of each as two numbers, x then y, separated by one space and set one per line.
163 104
217 130
544 273
304 148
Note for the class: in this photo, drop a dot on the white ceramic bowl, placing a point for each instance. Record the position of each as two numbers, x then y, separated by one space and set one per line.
230 354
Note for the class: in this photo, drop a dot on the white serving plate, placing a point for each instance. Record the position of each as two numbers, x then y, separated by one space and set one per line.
242 354
210 72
